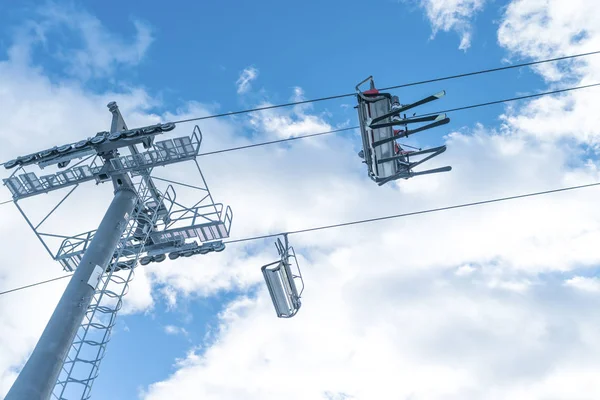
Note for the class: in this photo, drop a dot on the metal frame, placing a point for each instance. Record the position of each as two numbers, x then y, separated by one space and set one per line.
199 228
378 113
159 224
209 221
161 153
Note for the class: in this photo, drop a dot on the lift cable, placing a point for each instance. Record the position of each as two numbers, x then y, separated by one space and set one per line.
35 284
469 107
529 96
369 220
444 78
433 113
278 141
428 211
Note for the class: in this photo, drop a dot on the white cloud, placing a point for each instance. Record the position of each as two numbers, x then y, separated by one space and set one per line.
466 297
94 52
286 123
170 296
139 296
465 270
377 334
175 330
248 75
453 15
383 300
585 284
462 298
551 28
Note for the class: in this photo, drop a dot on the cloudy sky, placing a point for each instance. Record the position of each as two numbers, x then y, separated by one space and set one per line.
491 302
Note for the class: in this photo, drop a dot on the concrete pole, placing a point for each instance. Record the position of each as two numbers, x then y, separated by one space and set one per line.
39 375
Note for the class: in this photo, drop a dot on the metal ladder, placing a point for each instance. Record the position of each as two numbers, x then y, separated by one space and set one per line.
81 366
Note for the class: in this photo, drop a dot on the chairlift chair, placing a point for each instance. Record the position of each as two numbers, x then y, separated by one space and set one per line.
281 280
378 114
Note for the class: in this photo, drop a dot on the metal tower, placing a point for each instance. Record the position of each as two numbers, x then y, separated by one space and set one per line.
145 222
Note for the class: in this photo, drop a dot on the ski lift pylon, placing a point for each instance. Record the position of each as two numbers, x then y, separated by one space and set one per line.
281 280
378 114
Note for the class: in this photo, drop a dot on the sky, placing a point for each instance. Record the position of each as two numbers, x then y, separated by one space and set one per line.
490 302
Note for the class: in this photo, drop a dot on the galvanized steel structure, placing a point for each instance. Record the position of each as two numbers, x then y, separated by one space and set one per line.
144 223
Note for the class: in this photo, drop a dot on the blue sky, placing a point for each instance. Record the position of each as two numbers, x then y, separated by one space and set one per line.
199 50
469 274
144 352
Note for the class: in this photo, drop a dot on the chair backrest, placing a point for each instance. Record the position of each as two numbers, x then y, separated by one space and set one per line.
281 281
282 288
372 106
